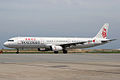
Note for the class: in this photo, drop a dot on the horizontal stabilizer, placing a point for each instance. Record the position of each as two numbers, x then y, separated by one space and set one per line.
108 40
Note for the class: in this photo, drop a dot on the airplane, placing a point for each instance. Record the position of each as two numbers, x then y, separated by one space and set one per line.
57 44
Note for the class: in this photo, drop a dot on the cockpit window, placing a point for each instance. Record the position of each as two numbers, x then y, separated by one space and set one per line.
11 40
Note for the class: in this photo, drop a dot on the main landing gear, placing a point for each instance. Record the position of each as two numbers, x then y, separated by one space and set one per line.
64 51
56 52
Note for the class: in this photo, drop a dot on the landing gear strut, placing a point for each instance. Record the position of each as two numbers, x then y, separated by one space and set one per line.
56 52
17 51
65 51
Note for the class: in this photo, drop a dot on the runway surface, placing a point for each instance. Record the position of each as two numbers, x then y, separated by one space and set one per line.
80 66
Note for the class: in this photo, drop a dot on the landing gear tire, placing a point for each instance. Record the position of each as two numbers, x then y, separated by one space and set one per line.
65 51
17 51
56 52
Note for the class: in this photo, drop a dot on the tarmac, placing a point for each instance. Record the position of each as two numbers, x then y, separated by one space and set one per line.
76 66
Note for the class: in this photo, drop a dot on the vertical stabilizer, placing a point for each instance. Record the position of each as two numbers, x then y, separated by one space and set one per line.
103 32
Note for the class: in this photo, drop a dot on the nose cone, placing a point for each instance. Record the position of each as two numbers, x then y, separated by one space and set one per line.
5 44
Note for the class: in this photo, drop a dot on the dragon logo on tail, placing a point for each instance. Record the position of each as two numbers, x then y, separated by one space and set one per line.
104 33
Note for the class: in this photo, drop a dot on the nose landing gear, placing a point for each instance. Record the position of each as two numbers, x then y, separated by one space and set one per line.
17 51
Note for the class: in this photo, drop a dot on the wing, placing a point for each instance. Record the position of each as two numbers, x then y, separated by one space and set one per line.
72 44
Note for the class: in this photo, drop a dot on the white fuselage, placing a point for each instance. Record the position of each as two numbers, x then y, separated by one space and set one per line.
45 42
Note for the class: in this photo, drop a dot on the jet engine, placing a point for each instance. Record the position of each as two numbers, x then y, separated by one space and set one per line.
56 48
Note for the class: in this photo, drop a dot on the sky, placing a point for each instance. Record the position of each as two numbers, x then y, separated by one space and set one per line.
61 18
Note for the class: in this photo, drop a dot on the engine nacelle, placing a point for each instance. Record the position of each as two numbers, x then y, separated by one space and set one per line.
56 48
